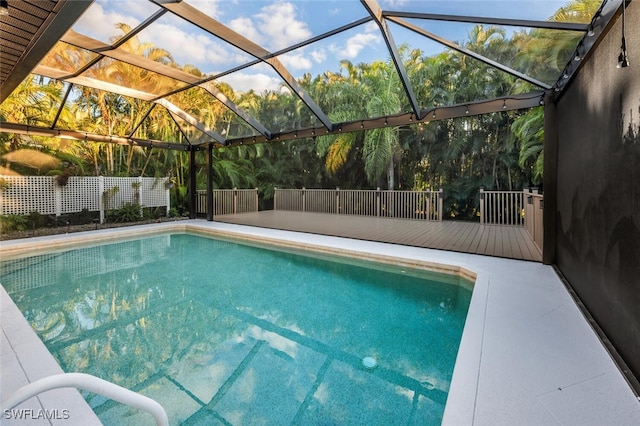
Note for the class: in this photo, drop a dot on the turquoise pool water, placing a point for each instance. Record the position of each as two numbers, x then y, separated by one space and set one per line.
225 333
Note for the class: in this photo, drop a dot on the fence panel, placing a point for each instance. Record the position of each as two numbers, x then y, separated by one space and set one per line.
201 202
228 201
358 202
320 200
223 202
80 193
501 208
21 195
246 200
288 199
417 205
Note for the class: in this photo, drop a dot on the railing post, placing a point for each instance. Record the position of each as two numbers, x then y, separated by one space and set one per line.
101 197
304 199
138 190
337 200
378 201
440 204
57 197
235 200
167 194
257 200
275 198
525 206
481 206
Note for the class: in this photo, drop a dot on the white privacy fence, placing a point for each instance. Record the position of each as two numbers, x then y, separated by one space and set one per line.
229 201
21 195
424 205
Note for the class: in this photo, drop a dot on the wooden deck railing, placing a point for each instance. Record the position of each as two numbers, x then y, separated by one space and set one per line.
420 205
533 216
501 207
514 208
229 201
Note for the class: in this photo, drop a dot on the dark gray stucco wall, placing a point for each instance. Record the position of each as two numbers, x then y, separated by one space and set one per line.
598 188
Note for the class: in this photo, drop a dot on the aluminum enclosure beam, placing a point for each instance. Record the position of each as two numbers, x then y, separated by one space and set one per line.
63 16
376 12
503 104
189 119
549 25
215 28
125 91
598 28
105 50
23 129
468 52
509 103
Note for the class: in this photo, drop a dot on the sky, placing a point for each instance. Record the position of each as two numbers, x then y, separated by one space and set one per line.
275 24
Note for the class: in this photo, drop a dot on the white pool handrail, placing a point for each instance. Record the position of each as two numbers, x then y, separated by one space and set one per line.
92 384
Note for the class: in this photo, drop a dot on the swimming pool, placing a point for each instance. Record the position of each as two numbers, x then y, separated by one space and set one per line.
211 340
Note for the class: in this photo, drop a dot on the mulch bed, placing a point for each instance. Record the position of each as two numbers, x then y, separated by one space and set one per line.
39 232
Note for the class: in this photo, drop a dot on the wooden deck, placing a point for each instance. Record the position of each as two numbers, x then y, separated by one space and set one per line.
467 237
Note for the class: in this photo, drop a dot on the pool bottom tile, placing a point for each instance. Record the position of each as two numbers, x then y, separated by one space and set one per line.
427 412
272 387
178 405
204 373
350 395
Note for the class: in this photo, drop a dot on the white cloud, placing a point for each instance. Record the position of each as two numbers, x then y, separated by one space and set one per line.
100 24
358 42
243 82
353 46
186 48
245 27
209 7
193 48
295 61
319 56
278 22
392 4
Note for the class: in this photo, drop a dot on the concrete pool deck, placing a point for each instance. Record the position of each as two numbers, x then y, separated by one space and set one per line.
527 357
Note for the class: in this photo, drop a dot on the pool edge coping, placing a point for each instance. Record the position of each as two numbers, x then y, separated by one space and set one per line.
462 392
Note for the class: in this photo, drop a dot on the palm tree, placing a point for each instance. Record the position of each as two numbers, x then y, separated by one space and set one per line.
544 54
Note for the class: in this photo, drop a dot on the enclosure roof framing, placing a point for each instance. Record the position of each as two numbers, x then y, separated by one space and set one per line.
270 48
549 25
215 28
34 28
458 48
502 104
23 129
376 12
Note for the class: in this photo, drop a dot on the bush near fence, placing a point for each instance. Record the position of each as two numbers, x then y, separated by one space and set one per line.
22 195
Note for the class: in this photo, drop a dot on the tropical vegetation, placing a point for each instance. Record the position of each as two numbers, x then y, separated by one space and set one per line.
498 151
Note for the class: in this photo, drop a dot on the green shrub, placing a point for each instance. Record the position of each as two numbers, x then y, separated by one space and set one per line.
13 222
83 217
155 212
36 220
129 212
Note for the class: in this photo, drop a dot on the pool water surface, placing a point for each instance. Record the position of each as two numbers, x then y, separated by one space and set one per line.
225 333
